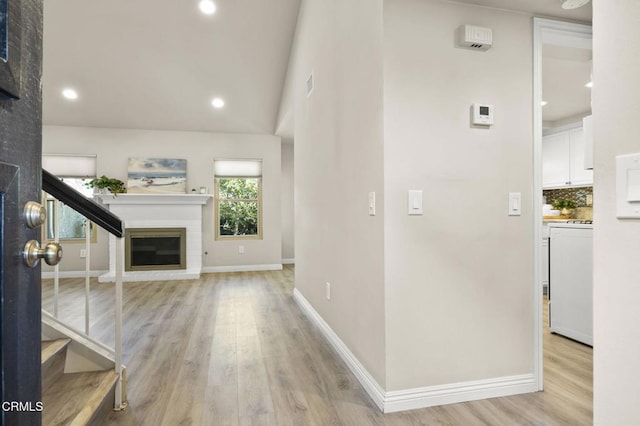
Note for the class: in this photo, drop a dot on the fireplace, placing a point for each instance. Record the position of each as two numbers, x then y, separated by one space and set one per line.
158 212
152 249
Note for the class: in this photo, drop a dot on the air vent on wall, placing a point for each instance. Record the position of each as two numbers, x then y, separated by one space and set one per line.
476 38
309 84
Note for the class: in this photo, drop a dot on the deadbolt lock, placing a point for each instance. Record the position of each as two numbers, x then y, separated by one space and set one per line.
32 253
34 214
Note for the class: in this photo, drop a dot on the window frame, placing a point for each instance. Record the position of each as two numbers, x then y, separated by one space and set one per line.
217 199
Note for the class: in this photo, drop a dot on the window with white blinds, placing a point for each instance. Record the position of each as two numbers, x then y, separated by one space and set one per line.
75 171
238 198
70 165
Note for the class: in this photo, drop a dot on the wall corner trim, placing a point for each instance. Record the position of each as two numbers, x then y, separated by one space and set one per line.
410 399
242 268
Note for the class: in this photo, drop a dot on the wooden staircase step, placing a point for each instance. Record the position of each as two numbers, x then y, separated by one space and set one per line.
79 398
53 357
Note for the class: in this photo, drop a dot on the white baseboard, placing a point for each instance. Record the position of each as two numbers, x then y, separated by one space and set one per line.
161 275
71 274
291 261
453 393
428 396
205 270
242 268
367 381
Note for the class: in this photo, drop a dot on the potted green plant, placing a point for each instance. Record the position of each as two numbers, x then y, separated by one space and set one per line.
104 183
565 206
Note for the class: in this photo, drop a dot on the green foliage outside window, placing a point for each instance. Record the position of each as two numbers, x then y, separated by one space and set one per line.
239 206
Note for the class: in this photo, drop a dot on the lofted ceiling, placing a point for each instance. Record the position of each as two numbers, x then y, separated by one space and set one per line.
158 65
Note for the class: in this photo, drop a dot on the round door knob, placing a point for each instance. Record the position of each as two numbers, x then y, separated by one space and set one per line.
32 253
34 214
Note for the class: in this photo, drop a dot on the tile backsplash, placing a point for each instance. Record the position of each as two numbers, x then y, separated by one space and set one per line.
577 195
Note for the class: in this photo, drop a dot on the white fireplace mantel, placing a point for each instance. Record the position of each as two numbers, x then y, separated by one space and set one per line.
159 211
165 199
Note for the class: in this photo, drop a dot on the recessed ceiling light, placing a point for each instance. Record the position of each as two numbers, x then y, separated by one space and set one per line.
217 103
70 94
543 103
207 7
589 84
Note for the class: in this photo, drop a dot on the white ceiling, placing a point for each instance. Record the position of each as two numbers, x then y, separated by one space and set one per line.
565 71
541 8
158 65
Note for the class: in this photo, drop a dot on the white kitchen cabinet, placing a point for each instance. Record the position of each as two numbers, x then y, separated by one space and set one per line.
579 174
545 264
563 159
556 152
587 125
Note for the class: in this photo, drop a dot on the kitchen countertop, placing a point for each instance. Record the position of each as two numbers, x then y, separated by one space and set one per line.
571 225
561 223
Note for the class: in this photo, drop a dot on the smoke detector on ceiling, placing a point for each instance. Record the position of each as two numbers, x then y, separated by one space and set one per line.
573 4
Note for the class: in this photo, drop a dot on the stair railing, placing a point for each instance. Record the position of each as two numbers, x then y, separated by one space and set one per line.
93 212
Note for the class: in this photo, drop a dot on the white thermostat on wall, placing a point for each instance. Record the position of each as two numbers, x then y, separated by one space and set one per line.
482 115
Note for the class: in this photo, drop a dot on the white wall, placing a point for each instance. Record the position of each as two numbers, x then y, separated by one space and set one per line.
287 202
113 147
616 66
338 160
459 279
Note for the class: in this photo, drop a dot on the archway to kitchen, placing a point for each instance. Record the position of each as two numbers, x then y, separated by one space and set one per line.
562 59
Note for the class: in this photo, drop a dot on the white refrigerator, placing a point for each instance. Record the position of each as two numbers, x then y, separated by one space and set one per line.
571 281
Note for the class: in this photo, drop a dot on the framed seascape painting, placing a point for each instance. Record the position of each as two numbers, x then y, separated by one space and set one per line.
157 176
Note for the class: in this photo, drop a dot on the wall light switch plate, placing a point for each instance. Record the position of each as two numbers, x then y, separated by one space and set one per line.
372 204
414 199
628 186
515 204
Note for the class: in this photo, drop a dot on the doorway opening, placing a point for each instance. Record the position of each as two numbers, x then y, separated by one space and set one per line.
555 44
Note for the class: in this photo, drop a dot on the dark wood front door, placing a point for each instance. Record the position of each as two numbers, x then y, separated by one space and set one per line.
20 182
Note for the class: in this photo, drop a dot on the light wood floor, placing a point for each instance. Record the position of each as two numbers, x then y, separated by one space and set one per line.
235 349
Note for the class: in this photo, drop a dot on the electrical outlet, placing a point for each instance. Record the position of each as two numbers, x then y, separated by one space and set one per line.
83 253
328 291
241 249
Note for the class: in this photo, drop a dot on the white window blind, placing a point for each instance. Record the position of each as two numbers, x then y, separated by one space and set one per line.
69 165
237 168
